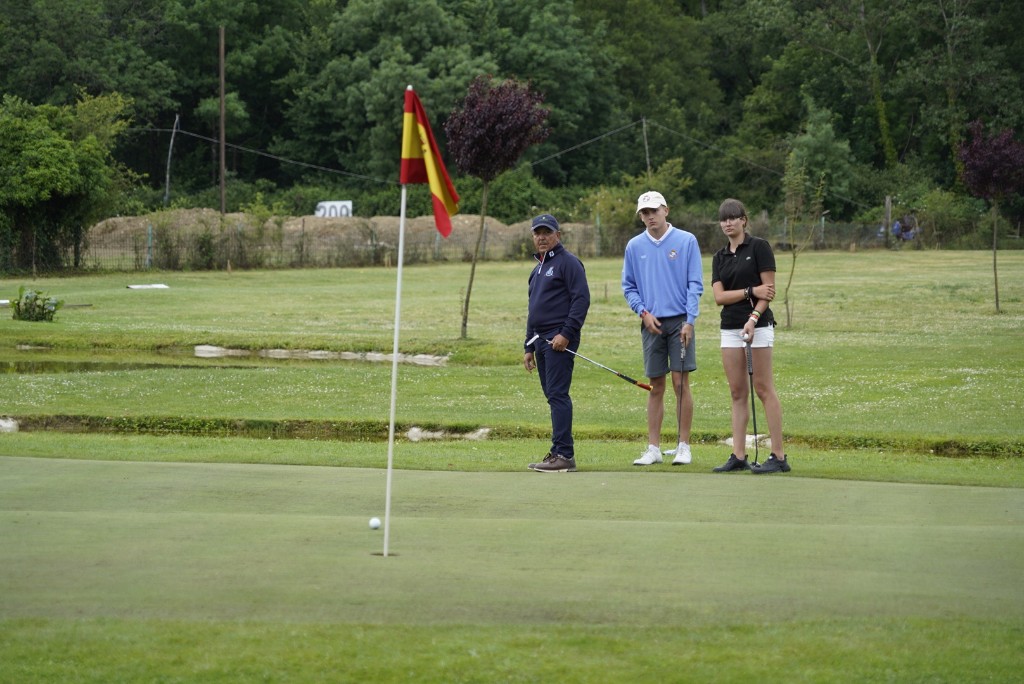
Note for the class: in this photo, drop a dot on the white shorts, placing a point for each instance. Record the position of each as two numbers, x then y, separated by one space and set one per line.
763 337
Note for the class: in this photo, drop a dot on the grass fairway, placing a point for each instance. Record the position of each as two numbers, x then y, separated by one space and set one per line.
885 348
128 571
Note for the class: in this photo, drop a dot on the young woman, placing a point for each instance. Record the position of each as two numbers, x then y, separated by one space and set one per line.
743 281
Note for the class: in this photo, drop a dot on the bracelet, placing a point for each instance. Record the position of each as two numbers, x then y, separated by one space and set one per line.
755 314
747 292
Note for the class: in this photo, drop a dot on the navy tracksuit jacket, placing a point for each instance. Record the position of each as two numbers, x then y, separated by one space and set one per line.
559 301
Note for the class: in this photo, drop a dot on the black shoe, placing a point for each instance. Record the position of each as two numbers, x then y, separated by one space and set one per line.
732 464
772 465
556 463
547 457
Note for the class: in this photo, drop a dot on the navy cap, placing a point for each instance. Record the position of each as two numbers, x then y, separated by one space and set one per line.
545 221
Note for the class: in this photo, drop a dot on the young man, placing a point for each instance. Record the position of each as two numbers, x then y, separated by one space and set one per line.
662 282
559 298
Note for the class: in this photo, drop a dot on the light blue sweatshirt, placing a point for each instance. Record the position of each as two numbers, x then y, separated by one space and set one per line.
664 278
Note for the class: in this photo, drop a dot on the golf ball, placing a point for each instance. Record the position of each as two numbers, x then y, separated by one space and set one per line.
374 523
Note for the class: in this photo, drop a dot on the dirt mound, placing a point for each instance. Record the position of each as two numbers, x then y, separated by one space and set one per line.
194 221
189 221
203 238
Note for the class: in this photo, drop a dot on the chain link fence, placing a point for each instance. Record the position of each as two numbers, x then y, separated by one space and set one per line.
203 239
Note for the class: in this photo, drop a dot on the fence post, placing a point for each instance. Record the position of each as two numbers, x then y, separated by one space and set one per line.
888 218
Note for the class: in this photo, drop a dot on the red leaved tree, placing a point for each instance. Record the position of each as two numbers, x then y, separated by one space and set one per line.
993 169
487 135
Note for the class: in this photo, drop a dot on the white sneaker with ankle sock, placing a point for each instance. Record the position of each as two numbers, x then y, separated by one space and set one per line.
649 457
681 453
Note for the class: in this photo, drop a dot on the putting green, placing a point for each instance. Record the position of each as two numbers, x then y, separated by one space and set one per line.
265 542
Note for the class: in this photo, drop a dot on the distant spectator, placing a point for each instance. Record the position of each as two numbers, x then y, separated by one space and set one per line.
908 229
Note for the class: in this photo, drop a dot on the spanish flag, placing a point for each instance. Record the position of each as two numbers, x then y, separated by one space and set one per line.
421 163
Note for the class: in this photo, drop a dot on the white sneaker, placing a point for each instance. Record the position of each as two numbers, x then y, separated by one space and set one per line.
682 454
649 457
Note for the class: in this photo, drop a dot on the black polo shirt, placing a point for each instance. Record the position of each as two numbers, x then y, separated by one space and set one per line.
739 271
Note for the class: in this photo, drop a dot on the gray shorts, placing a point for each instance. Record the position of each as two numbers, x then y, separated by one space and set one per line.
663 352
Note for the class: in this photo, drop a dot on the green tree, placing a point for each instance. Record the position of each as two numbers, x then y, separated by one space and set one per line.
51 50
261 51
58 176
658 61
720 84
818 150
545 43
346 104
767 67
869 21
959 69
613 207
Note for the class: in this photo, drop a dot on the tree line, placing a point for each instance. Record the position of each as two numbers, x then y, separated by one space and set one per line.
706 99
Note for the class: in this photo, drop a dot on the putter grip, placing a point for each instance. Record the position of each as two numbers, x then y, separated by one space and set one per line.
750 362
635 382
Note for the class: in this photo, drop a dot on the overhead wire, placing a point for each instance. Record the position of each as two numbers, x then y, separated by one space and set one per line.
555 155
268 155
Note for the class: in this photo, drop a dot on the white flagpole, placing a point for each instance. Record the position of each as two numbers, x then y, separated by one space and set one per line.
394 375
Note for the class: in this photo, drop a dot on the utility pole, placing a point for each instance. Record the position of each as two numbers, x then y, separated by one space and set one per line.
223 145
170 149
647 150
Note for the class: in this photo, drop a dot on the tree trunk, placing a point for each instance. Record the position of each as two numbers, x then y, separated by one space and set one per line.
955 22
476 257
785 296
995 250
884 133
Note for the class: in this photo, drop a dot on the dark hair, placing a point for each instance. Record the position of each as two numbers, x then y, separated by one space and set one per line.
730 209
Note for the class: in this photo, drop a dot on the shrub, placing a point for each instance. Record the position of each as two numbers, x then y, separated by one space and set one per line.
950 220
35 306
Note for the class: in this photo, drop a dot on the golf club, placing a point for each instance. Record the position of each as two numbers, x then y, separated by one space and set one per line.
753 408
679 400
599 365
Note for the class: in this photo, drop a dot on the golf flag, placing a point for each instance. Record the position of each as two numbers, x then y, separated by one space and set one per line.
421 163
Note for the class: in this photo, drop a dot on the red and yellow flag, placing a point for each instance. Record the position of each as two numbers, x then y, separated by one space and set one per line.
421 163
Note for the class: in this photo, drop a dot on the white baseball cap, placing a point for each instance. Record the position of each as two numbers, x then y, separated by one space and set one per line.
650 200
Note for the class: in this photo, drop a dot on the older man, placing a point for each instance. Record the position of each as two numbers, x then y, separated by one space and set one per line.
559 298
